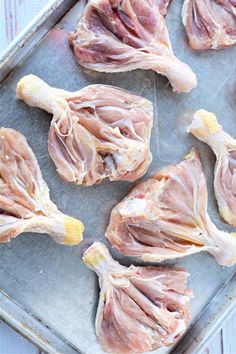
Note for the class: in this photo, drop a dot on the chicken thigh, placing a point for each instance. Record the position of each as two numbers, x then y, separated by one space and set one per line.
96 133
123 35
140 308
206 128
210 24
166 217
25 205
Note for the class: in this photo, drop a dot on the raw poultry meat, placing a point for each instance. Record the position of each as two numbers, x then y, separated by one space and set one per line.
206 128
162 6
140 308
210 24
123 35
166 217
98 132
25 205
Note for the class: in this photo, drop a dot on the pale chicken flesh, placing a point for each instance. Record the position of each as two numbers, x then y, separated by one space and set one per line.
123 35
96 133
162 5
166 217
25 204
210 24
206 128
140 308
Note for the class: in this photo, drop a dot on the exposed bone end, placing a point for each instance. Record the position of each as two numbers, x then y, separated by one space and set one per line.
28 86
64 229
74 231
96 254
35 92
204 125
210 120
206 128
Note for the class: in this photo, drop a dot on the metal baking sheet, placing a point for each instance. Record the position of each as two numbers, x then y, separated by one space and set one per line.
47 293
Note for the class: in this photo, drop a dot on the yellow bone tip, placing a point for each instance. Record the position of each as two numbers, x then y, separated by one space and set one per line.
28 85
74 231
210 120
95 254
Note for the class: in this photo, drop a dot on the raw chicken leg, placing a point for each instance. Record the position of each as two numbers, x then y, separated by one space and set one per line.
123 35
210 24
206 128
25 205
96 133
140 308
166 217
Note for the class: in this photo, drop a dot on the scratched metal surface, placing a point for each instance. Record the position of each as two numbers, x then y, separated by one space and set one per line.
50 281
